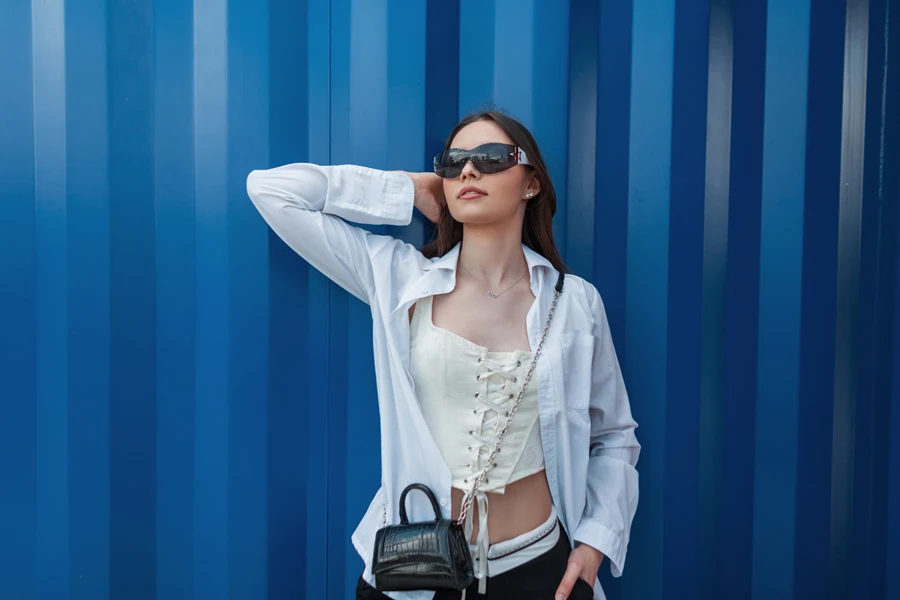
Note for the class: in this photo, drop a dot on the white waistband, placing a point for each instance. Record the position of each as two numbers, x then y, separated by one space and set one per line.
509 554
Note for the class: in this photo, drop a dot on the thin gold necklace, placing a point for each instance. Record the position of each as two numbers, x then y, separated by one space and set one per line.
490 293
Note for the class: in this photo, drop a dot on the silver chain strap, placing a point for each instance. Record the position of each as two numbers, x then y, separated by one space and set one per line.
470 497
490 462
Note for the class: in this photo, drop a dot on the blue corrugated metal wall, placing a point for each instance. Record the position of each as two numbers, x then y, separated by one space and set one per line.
186 408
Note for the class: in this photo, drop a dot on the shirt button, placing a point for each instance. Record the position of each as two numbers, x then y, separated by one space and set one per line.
444 502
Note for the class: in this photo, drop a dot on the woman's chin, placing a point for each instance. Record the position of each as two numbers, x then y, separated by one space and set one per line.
472 215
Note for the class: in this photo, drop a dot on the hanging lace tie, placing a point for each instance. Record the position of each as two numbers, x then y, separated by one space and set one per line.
493 403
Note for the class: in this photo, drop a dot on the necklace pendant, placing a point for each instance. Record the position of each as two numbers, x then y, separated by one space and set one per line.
492 294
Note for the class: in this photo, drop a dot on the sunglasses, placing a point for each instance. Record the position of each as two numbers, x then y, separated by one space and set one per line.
487 159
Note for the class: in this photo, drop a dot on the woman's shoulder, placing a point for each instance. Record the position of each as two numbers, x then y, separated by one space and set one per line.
397 265
580 288
585 305
392 254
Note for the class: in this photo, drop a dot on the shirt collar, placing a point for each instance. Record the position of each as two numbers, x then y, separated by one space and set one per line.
439 275
451 259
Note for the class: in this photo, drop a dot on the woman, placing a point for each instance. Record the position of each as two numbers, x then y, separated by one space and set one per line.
453 348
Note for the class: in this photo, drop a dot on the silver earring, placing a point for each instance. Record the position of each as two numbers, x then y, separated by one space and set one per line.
529 195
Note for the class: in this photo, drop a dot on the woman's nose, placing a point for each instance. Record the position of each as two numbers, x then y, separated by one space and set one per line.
469 170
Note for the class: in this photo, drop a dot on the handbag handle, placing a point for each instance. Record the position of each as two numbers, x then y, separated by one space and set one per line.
422 488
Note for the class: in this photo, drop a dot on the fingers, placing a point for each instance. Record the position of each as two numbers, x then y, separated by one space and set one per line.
573 571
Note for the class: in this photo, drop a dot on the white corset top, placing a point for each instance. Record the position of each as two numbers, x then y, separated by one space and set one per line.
465 392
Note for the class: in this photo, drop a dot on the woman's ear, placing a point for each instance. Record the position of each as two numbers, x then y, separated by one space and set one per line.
533 188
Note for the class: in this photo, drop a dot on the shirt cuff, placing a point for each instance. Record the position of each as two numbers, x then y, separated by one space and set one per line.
399 197
594 534
370 196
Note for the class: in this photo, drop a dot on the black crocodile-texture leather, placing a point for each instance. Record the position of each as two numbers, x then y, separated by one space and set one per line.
431 555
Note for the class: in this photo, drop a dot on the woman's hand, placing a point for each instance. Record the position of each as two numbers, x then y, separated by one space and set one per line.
429 194
584 562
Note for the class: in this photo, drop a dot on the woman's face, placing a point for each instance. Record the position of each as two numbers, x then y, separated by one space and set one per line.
496 197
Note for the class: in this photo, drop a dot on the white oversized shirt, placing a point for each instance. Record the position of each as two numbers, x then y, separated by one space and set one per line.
587 430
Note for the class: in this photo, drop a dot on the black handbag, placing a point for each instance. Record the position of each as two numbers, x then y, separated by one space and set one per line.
429 555
434 555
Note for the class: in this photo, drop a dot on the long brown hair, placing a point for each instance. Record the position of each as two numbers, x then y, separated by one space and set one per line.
537 228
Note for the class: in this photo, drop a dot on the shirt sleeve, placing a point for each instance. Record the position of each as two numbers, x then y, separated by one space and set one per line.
308 206
612 481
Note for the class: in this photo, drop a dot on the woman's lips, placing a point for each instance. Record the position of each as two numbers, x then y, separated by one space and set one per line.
470 192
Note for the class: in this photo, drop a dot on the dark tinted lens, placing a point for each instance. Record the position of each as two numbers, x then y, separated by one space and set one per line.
493 158
439 164
455 161
449 163
487 159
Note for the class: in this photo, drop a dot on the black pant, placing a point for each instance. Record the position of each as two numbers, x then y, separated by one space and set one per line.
536 579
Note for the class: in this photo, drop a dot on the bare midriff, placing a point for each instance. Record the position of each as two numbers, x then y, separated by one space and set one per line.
525 505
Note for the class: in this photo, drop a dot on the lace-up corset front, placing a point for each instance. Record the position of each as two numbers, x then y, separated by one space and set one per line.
465 392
